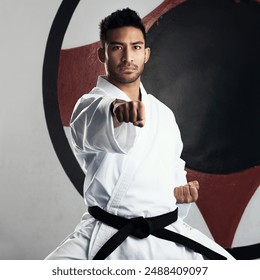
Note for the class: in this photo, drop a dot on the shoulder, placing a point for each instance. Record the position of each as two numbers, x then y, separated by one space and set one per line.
95 94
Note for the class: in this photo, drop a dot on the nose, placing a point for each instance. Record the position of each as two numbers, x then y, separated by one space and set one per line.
127 55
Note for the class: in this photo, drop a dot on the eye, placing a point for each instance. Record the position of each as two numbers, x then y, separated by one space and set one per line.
137 47
117 47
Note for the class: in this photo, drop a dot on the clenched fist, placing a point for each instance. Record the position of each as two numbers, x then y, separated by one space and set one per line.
124 111
187 193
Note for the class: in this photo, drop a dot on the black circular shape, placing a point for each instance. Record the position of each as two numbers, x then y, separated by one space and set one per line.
205 67
50 94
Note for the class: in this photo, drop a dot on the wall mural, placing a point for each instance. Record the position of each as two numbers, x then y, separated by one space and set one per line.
205 67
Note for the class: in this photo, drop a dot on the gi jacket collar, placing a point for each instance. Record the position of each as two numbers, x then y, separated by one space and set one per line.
114 91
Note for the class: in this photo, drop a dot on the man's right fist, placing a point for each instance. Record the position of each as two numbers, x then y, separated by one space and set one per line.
124 111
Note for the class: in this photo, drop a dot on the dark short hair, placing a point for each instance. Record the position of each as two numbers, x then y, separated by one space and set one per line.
120 18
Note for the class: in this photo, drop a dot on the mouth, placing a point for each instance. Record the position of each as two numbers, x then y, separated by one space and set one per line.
128 69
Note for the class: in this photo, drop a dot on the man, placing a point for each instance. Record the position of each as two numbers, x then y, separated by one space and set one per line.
129 147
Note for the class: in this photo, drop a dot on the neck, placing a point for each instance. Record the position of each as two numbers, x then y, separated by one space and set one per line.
130 89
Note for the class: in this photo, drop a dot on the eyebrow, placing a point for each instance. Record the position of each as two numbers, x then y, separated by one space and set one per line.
121 43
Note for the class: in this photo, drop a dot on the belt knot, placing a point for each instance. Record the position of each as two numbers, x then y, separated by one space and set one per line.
142 227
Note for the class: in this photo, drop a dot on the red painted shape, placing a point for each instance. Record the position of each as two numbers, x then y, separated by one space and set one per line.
78 71
79 67
223 199
152 17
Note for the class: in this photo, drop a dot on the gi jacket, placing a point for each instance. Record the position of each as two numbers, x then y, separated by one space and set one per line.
130 171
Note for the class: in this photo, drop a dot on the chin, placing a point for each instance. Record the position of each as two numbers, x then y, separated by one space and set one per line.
127 80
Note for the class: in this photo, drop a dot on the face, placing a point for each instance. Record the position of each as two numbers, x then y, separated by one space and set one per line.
124 55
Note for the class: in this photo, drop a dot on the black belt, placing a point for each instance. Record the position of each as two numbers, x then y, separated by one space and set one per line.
141 228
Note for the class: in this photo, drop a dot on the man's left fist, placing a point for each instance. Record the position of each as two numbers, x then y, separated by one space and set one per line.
187 193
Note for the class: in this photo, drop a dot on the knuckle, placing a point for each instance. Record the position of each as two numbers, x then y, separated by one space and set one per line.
119 108
131 104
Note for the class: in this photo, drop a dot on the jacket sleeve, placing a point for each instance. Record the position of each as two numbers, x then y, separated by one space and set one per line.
183 208
92 127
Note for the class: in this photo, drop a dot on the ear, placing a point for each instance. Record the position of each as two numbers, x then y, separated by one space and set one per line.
101 55
147 54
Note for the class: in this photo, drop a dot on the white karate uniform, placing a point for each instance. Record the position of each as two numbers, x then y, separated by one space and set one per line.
130 172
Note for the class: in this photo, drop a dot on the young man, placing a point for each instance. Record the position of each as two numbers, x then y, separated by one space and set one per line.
129 147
